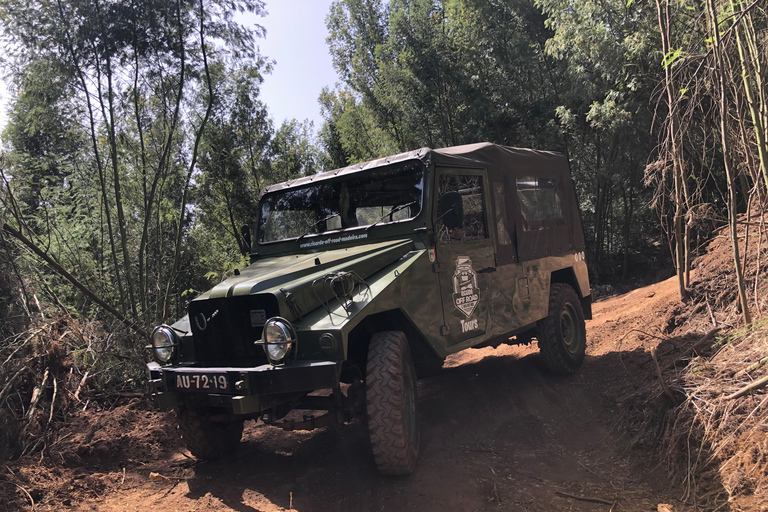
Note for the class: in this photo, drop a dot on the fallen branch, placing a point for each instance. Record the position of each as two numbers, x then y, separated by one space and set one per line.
80 386
158 476
166 479
703 341
711 314
585 498
758 384
495 488
53 399
56 266
38 331
663 383
37 393
755 366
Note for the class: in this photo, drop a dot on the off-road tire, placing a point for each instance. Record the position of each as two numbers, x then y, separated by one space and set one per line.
391 403
209 440
562 335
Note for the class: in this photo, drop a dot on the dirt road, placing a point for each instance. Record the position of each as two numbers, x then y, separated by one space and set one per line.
498 433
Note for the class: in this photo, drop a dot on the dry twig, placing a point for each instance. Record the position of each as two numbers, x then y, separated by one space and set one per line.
696 346
31 501
590 499
758 384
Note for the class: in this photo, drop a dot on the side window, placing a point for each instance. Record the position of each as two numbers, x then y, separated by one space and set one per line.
471 190
367 215
539 203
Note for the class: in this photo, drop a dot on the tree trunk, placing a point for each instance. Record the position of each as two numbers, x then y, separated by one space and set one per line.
96 155
677 171
185 193
720 71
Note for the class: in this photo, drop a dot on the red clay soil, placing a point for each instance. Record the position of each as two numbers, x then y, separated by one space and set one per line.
498 433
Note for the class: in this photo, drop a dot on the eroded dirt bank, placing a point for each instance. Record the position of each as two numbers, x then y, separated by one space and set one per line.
498 433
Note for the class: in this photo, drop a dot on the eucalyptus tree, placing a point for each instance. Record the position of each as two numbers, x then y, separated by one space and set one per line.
138 74
440 73
548 74
292 152
606 111
235 152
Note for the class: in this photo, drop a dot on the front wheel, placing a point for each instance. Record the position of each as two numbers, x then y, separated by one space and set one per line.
207 439
562 335
391 407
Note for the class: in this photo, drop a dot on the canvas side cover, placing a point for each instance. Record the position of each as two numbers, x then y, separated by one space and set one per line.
542 211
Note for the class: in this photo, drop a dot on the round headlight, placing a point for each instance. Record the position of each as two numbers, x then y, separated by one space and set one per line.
163 343
278 338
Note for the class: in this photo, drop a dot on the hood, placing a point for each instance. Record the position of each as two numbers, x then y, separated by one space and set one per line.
274 274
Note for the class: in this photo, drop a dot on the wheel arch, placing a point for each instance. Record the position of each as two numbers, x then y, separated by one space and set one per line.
568 276
359 338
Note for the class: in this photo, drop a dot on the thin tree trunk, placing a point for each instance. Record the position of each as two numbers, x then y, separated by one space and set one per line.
143 154
664 30
721 80
97 155
121 225
198 137
751 76
163 165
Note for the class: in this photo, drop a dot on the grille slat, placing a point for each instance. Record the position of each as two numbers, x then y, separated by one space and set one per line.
223 330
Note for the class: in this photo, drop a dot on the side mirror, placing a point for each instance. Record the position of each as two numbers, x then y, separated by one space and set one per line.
452 209
245 239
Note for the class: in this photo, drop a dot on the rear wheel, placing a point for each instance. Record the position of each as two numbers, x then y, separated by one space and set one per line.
562 334
391 403
207 439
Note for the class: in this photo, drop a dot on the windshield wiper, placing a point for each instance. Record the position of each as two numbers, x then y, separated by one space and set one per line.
316 223
390 212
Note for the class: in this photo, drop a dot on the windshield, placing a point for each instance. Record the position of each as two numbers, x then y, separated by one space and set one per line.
382 196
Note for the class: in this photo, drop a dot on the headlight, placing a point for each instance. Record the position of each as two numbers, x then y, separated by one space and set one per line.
163 343
278 338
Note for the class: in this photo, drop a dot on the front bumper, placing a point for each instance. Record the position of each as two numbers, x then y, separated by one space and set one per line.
249 390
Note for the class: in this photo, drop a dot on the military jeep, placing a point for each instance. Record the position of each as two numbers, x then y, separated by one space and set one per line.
365 278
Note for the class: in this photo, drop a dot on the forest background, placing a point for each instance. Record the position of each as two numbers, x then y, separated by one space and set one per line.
137 142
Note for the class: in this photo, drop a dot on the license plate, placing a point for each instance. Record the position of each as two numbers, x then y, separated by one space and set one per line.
206 382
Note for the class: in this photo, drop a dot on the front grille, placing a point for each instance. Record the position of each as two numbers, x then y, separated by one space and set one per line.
224 330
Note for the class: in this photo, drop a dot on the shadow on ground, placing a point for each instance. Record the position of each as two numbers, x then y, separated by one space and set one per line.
497 433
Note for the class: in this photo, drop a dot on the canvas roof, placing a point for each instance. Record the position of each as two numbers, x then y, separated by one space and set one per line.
493 157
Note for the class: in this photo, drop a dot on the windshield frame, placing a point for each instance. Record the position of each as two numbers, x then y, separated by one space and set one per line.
362 230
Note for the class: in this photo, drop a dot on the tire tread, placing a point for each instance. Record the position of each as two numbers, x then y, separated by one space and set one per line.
388 359
548 331
207 440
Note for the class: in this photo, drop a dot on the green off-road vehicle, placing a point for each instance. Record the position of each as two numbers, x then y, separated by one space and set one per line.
363 279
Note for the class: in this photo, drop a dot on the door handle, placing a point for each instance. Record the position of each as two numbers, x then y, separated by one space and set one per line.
487 270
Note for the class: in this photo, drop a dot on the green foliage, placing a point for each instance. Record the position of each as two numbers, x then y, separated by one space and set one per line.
139 142
292 152
428 73
234 152
138 145
549 74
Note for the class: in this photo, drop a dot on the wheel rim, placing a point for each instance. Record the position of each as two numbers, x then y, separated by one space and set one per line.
569 329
